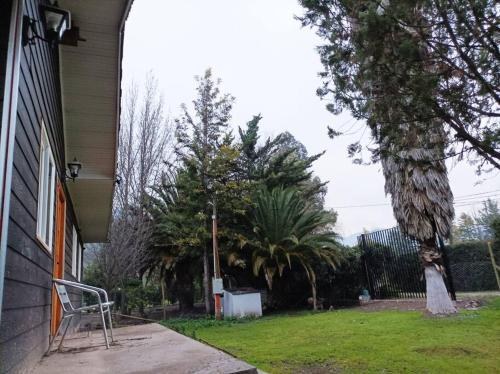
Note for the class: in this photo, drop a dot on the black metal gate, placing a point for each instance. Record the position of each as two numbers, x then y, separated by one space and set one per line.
392 266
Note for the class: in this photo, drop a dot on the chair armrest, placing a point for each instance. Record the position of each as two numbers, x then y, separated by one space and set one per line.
102 290
85 288
95 306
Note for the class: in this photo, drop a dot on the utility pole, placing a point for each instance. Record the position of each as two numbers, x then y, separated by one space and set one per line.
217 277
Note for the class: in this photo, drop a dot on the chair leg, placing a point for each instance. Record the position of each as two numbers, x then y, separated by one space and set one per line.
104 327
110 323
65 331
54 337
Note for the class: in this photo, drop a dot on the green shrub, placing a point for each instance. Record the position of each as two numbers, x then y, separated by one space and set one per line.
346 282
139 297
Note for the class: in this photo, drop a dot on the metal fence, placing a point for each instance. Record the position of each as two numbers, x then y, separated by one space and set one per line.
473 276
471 264
392 265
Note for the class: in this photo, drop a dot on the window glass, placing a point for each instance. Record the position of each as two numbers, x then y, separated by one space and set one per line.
46 192
80 260
74 254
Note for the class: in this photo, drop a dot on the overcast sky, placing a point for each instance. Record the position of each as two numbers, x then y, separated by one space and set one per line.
269 63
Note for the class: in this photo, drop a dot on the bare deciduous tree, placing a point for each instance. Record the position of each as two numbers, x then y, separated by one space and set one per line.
144 143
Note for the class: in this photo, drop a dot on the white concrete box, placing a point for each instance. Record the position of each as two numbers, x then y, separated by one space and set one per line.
242 302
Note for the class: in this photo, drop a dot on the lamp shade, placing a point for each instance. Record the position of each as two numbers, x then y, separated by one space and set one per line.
57 21
74 168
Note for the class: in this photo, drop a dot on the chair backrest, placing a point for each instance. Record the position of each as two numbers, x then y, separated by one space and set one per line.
63 297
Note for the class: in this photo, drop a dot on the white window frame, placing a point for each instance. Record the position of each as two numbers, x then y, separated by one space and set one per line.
46 192
74 254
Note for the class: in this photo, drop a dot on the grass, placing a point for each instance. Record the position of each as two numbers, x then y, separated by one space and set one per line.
353 341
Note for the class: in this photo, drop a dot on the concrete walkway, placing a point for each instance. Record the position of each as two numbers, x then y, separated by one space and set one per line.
140 349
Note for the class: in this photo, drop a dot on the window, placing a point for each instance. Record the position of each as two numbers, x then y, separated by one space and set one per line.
46 192
80 260
74 254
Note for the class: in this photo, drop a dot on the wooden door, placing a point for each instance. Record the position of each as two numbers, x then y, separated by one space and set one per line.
58 270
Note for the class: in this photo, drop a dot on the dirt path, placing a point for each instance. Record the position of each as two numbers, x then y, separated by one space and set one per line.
464 301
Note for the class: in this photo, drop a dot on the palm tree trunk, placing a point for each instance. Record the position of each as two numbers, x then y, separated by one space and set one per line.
438 299
206 280
162 283
185 289
313 288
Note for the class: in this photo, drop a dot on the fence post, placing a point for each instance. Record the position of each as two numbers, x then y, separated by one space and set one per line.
362 242
447 269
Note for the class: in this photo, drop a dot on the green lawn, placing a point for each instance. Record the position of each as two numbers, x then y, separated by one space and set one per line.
359 342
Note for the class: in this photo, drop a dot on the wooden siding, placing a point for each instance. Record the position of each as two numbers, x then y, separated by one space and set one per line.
25 324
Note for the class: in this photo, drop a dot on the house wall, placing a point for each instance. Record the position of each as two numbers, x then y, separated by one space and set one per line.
26 313
5 8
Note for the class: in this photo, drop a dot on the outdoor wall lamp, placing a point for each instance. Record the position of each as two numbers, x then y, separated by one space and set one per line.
74 168
55 21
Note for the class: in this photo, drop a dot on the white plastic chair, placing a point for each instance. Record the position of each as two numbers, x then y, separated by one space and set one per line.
103 306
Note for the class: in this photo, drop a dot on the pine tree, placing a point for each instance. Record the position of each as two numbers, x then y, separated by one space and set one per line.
199 136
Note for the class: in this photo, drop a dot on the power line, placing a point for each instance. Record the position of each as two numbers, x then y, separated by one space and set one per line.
360 206
462 201
476 202
479 193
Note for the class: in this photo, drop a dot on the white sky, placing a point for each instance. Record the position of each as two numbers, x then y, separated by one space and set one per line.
269 63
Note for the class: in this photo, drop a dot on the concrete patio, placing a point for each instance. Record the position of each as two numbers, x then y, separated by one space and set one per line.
138 349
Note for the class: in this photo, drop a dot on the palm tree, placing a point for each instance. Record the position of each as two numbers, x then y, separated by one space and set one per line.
416 178
286 231
412 153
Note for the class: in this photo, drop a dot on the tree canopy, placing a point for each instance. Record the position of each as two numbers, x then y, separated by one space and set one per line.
215 173
439 63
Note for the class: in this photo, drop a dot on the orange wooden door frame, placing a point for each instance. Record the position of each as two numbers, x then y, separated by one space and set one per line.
58 255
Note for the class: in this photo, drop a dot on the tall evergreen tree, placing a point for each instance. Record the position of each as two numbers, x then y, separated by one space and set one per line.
181 212
279 162
199 135
370 56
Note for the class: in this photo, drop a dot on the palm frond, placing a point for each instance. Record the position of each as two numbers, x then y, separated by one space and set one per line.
286 228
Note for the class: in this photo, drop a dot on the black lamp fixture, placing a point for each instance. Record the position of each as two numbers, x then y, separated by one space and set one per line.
74 168
56 22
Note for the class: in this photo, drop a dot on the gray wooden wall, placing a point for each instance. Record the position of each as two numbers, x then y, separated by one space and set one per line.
25 324
4 32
